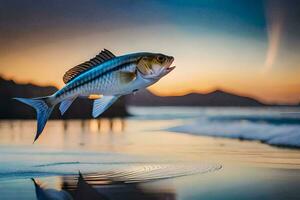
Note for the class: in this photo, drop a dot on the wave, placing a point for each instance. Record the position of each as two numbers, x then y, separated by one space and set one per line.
276 120
280 131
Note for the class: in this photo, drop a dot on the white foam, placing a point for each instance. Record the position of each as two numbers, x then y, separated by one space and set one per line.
283 135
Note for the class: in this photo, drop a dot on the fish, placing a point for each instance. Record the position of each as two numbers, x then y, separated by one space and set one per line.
82 190
106 76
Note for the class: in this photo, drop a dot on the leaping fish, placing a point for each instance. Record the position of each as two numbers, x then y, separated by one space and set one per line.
107 75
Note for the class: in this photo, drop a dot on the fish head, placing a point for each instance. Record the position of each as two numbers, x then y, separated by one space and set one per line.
155 66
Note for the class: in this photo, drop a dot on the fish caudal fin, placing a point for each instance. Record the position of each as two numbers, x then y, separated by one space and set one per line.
43 110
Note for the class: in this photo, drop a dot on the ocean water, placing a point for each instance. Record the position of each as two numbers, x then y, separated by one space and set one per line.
150 156
274 126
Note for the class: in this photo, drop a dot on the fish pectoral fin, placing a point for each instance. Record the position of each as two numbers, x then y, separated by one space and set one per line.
64 105
100 105
127 76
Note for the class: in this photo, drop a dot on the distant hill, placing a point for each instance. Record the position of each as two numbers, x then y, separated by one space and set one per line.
80 109
215 98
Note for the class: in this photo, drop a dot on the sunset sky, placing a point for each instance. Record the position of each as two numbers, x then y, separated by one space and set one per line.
249 47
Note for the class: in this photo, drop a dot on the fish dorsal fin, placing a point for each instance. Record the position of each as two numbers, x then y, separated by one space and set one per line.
103 56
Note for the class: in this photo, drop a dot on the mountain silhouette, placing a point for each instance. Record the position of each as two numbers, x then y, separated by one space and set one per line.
81 108
215 98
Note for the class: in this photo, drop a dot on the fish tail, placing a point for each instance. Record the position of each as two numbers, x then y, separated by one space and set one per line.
43 107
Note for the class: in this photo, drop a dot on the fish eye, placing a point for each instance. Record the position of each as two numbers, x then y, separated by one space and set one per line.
161 58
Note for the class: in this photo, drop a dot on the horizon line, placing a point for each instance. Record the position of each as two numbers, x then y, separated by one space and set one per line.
214 89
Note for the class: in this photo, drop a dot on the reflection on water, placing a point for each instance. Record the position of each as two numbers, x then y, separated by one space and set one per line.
18 131
93 186
98 125
136 136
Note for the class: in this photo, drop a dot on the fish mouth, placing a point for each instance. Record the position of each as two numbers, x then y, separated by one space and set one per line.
169 69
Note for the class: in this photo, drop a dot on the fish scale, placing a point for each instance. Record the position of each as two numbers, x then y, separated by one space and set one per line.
100 85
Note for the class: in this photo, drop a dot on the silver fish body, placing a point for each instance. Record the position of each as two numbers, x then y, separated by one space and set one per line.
104 80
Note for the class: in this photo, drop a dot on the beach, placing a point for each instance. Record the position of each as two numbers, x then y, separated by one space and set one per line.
144 157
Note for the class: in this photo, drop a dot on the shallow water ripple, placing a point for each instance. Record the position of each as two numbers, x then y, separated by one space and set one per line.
143 172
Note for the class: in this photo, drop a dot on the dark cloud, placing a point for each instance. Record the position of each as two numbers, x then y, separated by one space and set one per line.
52 20
22 18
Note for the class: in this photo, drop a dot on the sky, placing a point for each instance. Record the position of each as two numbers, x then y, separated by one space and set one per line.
249 47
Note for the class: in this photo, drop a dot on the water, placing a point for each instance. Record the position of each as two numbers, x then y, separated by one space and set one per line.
275 126
142 158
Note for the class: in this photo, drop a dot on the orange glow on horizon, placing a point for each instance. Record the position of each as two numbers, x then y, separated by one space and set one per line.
203 64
